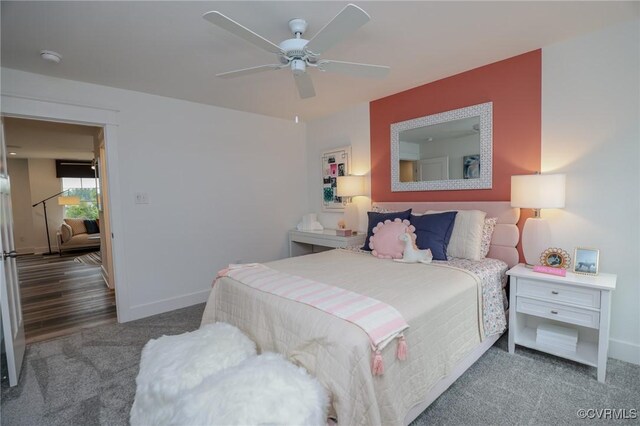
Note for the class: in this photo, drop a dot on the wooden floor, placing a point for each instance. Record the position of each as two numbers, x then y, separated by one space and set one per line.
61 296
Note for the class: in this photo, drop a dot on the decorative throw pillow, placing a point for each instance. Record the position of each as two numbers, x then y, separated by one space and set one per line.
433 231
467 234
92 226
77 225
66 232
375 218
385 242
487 233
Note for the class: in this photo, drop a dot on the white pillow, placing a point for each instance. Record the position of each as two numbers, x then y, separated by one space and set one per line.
466 238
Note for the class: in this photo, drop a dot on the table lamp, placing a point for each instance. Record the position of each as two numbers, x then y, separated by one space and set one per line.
347 187
537 192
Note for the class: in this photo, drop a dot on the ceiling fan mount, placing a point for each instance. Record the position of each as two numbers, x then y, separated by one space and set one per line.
298 53
298 26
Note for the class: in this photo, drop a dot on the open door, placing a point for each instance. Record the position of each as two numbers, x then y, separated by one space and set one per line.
103 209
12 323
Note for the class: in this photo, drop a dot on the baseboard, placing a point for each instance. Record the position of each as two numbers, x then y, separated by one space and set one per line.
25 250
162 306
43 250
624 351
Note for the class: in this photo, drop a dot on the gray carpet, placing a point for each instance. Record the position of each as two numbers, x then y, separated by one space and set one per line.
89 379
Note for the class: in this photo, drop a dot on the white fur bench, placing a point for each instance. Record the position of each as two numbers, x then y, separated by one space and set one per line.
213 376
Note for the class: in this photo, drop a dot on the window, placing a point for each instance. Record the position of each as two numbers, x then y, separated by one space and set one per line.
86 189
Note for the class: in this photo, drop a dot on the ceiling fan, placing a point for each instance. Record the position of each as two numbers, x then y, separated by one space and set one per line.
299 54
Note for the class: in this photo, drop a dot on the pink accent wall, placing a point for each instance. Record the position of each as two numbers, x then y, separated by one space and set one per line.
514 86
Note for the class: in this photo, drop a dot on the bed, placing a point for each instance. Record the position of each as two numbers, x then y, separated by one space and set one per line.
454 309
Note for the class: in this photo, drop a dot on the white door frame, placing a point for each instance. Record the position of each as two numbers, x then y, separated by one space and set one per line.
52 110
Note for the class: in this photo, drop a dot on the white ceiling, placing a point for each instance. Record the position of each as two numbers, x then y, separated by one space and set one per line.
44 139
166 48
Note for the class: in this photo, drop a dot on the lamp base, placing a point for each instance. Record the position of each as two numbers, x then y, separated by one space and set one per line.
351 215
535 239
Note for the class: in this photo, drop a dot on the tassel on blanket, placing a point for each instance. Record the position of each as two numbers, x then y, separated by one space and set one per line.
401 352
378 367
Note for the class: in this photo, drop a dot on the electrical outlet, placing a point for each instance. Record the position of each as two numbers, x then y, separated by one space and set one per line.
142 198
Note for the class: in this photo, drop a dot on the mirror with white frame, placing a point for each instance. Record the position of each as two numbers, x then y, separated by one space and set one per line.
451 150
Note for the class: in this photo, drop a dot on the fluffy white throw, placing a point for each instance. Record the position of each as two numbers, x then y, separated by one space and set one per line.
265 389
173 365
212 376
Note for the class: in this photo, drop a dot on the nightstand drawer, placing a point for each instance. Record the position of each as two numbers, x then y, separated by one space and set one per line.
558 312
559 293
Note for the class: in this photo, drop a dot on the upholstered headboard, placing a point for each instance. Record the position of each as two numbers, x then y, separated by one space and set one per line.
506 235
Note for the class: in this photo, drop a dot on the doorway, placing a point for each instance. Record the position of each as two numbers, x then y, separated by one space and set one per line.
60 207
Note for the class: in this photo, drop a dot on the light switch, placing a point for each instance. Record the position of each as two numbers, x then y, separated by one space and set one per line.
142 198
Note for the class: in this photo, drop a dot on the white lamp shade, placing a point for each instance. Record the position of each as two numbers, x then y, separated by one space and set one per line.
538 191
350 186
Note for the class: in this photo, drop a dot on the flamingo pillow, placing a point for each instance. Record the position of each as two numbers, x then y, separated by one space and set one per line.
385 243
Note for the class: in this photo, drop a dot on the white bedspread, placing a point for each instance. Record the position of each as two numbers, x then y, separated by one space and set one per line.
442 305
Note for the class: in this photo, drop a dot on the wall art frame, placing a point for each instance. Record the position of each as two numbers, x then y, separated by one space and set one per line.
335 162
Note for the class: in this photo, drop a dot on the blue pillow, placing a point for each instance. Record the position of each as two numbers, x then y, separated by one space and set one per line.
375 218
92 226
433 231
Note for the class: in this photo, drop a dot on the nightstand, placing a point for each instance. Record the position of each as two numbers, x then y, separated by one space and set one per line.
580 302
306 242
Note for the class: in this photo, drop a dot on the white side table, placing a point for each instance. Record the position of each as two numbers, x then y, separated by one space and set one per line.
306 242
582 302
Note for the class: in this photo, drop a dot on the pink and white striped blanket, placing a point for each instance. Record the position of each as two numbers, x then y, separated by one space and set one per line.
380 321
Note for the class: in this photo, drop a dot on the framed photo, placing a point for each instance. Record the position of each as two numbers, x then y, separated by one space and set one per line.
586 261
555 258
335 162
471 166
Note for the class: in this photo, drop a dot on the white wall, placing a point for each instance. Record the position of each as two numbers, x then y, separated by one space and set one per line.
590 131
348 127
223 186
43 183
21 205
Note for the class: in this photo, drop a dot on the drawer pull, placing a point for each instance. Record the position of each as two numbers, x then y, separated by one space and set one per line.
554 292
554 312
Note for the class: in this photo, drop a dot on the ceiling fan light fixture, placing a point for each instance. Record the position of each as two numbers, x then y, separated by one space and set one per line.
298 66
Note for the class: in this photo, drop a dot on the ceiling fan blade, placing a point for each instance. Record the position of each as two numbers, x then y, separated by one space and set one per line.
247 71
217 18
304 85
343 24
354 69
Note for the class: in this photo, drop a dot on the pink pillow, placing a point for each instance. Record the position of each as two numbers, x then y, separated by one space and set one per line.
385 242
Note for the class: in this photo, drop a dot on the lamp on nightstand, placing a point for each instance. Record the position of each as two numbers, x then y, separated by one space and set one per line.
537 192
350 186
